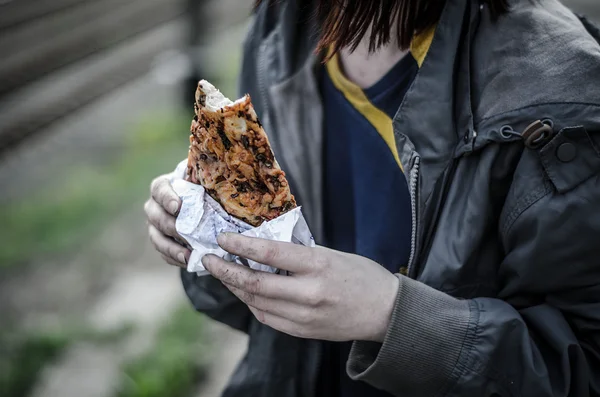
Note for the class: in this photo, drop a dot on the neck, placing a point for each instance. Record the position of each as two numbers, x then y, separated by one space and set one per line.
365 68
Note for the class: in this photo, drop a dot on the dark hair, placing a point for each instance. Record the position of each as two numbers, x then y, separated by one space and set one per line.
346 22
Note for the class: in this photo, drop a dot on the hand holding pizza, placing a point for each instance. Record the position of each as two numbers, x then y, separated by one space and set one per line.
324 298
230 156
161 210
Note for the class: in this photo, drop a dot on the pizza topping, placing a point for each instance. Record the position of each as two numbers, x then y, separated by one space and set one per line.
224 139
245 142
231 157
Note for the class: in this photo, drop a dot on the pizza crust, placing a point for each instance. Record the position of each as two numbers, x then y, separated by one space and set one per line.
231 157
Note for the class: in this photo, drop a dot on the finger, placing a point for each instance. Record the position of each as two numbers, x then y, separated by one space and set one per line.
167 246
173 262
282 324
162 192
161 219
254 282
279 307
287 256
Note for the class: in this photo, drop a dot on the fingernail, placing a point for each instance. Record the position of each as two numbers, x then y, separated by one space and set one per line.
173 207
205 260
222 238
181 258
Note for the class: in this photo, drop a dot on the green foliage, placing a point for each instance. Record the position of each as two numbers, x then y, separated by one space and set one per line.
23 356
175 364
67 214
21 361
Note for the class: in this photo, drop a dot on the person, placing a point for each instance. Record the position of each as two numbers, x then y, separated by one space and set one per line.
446 155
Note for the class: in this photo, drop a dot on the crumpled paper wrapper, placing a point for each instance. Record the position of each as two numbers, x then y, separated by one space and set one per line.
201 219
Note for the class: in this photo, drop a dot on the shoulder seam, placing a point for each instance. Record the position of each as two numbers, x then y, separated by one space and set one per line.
535 106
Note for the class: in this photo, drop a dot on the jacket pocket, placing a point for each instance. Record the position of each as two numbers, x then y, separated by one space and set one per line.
570 158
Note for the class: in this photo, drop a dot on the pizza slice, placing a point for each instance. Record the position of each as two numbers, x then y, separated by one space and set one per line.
230 156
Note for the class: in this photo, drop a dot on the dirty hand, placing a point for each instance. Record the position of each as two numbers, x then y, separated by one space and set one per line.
330 295
161 210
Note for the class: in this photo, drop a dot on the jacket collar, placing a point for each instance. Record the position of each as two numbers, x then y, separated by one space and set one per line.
435 114
437 120
426 119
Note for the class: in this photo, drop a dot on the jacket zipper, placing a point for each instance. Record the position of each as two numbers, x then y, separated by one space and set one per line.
413 184
261 80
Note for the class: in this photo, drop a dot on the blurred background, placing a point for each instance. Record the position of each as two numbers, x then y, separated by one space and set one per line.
96 100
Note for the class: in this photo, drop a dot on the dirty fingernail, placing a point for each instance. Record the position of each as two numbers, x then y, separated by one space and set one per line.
173 207
181 258
205 261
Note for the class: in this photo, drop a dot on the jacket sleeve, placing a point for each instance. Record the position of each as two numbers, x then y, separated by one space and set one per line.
439 345
209 296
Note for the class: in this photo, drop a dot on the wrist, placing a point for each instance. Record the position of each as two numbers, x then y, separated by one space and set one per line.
385 309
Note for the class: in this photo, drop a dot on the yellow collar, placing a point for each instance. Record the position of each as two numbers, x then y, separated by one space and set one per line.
356 96
419 47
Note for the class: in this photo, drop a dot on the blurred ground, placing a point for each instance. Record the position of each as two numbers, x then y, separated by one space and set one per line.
86 304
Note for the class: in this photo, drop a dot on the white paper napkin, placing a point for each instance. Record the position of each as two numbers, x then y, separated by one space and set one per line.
201 219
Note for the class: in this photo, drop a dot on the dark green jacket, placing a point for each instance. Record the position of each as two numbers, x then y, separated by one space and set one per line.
502 296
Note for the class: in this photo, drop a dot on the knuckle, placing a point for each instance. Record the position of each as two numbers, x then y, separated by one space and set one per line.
225 276
248 298
253 285
271 253
319 261
305 317
315 297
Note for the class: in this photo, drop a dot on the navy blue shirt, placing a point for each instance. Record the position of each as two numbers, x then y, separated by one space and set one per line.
366 200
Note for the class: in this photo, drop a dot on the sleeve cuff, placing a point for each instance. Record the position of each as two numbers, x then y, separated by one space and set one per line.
428 332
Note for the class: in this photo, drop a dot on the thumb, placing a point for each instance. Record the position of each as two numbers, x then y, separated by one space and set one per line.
162 192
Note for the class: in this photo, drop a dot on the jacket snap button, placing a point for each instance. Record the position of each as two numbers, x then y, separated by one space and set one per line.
566 152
